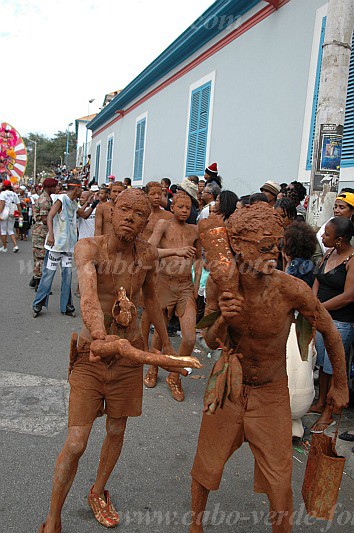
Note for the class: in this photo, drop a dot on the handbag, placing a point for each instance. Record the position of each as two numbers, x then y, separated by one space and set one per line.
323 477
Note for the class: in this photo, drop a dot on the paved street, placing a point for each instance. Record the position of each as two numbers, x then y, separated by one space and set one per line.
150 486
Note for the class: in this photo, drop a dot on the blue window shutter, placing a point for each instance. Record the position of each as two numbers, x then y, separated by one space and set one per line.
109 157
315 98
97 165
139 150
198 130
348 131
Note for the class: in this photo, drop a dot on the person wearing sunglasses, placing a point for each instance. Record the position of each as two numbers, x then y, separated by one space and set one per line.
253 321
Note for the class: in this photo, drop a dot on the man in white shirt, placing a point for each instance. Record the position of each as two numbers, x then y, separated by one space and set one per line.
60 242
210 193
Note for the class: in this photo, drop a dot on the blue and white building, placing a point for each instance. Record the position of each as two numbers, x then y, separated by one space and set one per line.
238 87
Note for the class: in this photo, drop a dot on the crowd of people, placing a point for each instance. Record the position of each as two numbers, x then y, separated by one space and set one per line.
158 225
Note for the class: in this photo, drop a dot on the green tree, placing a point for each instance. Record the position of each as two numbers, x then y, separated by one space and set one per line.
50 152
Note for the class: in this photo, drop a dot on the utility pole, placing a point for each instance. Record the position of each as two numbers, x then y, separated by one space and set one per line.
330 111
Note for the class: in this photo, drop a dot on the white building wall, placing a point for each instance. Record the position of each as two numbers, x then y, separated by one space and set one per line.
260 91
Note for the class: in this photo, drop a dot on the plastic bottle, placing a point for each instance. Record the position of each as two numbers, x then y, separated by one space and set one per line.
20 222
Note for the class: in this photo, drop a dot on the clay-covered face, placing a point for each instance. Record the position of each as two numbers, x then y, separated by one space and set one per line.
129 218
259 249
342 209
155 195
181 208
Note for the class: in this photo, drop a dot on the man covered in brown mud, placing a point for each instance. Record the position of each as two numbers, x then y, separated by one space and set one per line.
153 190
254 320
176 291
107 374
103 218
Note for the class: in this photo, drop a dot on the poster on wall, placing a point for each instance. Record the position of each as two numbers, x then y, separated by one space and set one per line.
328 158
330 147
327 182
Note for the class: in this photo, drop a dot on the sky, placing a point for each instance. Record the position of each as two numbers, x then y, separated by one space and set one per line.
59 54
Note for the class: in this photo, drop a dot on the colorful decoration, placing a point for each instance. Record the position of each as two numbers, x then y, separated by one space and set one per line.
13 153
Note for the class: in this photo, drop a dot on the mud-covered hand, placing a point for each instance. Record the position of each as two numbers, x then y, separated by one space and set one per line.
230 306
186 251
96 334
338 397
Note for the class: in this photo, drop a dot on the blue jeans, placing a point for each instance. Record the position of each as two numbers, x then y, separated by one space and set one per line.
50 265
346 331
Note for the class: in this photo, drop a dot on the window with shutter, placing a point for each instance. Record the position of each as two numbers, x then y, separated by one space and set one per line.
139 150
109 157
315 98
198 130
97 164
348 132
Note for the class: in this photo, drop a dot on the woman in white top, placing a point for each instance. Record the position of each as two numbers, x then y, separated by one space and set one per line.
8 197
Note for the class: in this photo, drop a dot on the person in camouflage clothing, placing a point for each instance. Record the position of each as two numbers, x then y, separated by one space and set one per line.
41 209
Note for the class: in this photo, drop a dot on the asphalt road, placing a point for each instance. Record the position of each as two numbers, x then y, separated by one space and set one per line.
150 486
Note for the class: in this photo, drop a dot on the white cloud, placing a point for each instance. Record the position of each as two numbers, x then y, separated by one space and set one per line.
60 53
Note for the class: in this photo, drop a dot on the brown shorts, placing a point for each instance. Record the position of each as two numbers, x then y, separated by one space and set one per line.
174 293
262 417
114 389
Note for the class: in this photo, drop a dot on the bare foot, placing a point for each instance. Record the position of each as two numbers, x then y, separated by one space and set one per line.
196 529
323 422
316 408
51 526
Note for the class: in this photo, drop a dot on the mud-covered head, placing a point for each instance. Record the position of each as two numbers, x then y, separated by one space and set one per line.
255 234
130 213
181 206
153 190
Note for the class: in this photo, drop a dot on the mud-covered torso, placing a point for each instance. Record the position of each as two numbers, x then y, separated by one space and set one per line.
116 271
178 236
154 217
261 331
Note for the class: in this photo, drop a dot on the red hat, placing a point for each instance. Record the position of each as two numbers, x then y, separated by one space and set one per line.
7 183
212 169
50 182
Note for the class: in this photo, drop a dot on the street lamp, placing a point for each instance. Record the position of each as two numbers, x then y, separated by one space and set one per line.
34 160
88 114
67 145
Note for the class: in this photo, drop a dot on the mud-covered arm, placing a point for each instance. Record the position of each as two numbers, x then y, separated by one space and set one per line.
91 311
152 305
158 232
99 221
198 265
311 308
219 329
